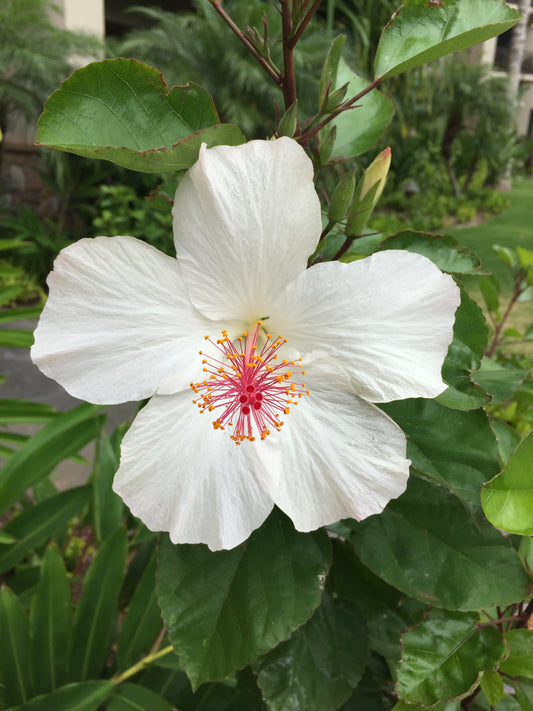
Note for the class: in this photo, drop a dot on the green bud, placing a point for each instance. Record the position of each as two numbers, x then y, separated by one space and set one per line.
368 193
289 121
334 100
342 197
326 145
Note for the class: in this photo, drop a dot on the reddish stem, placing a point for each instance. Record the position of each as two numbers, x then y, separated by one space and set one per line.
516 293
289 79
293 40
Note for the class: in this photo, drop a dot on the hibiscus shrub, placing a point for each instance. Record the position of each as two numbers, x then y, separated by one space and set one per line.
311 509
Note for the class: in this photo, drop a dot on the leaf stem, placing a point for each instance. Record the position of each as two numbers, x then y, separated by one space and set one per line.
142 664
246 42
289 79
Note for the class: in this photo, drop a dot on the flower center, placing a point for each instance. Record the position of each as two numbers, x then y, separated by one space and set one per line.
248 384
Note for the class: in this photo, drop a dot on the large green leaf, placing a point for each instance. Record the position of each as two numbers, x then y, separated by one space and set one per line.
142 622
455 448
223 609
58 440
426 545
359 128
444 656
317 668
51 623
464 355
15 671
97 608
499 382
443 250
72 697
508 498
38 523
421 31
119 109
520 659
134 697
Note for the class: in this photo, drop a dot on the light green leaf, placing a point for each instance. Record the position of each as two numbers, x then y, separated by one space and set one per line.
134 697
8 315
51 623
520 659
142 622
223 609
359 128
23 411
455 448
507 439
108 508
97 608
499 382
119 110
317 668
15 672
10 338
444 656
452 706
422 31
56 441
508 498
328 76
464 355
443 251
492 686
71 697
426 545
38 523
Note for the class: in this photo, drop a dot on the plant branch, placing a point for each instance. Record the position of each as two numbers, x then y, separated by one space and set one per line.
246 42
289 79
140 665
295 37
497 331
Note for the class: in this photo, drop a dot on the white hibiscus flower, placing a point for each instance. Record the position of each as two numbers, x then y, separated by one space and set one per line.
291 358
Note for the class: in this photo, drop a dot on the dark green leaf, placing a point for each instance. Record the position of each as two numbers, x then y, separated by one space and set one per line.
443 250
500 382
134 697
422 31
108 508
15 672
425 544
223 609
464 355
444 656
142 622
22 411
359 128
58 440
97 608
317 668
51 623
37 524
17 314
508 498
11 338
72 697
455 448
507 439
119 110
520 659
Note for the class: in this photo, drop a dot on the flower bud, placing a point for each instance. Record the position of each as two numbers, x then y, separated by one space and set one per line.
326 145
368 193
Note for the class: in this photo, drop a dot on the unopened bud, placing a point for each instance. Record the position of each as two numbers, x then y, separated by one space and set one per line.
368 193
326 145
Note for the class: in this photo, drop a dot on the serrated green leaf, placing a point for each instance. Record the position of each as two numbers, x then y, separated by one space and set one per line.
97 608
38 523
455 448
56 441
443 250
134 697
464 355
421 31
492 686
506 438
72 697
142 622
223 609
317 668
499 382
426 545
15 672
444 656
520 659
452 706
508 498
524 693
359 128
51 623
119 110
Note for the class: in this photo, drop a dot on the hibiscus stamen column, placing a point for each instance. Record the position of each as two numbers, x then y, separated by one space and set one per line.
249 383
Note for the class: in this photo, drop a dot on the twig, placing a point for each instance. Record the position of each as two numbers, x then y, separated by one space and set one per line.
295 37
516 293
289 79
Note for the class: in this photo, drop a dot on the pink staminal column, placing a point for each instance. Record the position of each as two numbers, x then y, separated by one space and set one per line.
248 385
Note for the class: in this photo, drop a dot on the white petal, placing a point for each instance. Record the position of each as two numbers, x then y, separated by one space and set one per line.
118 324
387 320
340 457
178 474
246 219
